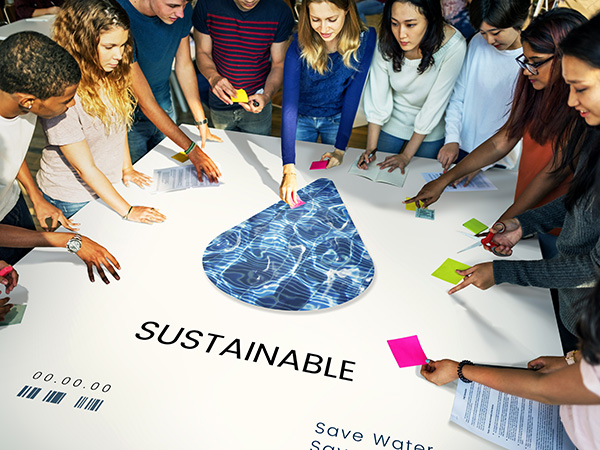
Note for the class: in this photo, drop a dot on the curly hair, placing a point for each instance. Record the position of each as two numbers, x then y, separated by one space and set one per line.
313 48
431 42
78 28
31 63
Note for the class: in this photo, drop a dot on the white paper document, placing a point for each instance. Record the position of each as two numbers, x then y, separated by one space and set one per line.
479 183
374 173
177 178
509 421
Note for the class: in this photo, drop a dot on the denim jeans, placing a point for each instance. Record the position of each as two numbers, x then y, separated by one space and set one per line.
144 135
239 119
20 217
67 208
309 128
369 8
392 144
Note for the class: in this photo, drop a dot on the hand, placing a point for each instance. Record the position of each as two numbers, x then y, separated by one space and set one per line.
395 162
429 194
287 189
262 100
467 178
366 158
440 372
94 255
480 275
223 89
506 238
5 307
335 159
447 155
205 135
10 279
45 211
133 176
145 214
204 164
547 364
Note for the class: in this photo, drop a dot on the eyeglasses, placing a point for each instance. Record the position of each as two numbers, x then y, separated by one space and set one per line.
531 67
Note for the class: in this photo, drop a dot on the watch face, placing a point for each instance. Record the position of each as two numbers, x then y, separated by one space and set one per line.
74 245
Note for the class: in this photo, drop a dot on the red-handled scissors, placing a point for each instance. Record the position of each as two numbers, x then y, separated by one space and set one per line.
486 242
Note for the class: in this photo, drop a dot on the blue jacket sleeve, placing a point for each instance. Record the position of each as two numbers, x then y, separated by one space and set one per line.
291 97
354 91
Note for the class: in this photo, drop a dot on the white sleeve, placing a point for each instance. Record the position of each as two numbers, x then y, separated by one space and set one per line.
378 100
454 111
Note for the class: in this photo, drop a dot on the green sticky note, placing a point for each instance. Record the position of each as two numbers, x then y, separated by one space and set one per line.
447 271
14 316
475 226
410 206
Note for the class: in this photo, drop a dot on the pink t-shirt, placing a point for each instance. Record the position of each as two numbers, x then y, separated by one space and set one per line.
582 422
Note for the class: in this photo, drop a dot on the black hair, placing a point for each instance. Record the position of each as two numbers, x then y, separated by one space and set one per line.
588 327
431 42
580 142
499 13
31 63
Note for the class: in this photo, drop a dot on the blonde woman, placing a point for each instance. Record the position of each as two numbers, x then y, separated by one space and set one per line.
87 150
324 74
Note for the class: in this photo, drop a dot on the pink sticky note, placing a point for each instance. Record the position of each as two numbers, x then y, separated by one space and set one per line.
408 351
318 165
300 203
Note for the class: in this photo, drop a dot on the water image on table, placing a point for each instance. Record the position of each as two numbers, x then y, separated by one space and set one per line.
301 259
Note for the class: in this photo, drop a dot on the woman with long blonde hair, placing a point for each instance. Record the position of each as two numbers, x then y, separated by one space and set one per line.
87 150
325 70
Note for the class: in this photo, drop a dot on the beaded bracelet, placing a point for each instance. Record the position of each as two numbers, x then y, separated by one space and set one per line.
126 216
190 148
463 363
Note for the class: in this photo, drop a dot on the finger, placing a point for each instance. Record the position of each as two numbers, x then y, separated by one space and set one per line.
90 271
460 286
467 272
102 274
108 256
246 107
126 182
402 169
70 225
212 137
325 156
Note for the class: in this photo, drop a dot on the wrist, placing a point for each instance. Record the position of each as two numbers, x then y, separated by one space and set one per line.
459 370
289 169
201 122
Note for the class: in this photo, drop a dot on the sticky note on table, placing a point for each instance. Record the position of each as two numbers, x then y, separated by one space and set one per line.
410 206
424 213
181 157
14 316
407 351
316 165
475 226
447 271
241 96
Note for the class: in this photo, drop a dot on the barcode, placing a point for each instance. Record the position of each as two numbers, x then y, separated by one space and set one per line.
93 404
29 392
54 397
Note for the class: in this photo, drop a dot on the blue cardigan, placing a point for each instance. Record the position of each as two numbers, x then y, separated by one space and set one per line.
306 92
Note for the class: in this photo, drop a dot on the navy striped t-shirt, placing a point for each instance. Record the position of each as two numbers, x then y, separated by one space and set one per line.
242 40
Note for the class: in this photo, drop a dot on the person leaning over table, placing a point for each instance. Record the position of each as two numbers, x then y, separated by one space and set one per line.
87 151
160 30
572 381
324 74
410 82
34 8
39 78
577 265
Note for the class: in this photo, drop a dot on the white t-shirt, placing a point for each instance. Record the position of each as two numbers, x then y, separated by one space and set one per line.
582 422
482 97
15 136
405 102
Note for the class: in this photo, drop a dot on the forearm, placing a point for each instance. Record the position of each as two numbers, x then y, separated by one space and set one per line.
95 179
373 131
207 67
16 237
25 178
413 144
163 122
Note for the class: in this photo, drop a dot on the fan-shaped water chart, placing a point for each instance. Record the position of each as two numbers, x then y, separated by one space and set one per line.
301 259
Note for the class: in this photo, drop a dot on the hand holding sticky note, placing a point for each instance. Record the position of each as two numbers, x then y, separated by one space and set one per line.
317 165
241 97
407 351
447 271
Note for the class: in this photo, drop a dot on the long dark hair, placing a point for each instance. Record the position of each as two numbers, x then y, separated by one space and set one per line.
581 142
431 42
544 113
499 13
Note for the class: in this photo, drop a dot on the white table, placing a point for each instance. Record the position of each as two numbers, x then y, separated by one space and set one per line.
169 397
41 24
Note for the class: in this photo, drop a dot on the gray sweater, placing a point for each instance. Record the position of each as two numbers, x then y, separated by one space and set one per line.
576 268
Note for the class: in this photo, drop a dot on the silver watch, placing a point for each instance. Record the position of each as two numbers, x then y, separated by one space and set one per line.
74 244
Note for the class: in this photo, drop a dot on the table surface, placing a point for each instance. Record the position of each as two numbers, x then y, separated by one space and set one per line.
164 395
41 24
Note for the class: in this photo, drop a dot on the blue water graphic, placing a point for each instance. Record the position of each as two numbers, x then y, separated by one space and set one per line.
302 259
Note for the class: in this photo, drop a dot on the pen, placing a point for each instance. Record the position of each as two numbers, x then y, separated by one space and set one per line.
5 271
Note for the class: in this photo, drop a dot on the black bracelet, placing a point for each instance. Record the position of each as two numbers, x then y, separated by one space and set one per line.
461 364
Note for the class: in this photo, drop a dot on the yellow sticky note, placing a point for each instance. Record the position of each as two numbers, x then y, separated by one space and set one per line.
242 97
411 206
447 271
181 157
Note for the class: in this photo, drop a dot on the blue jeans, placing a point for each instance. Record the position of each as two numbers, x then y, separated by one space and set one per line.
369 8
239 119
392 144
67 208
144 135
20 217
309 128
